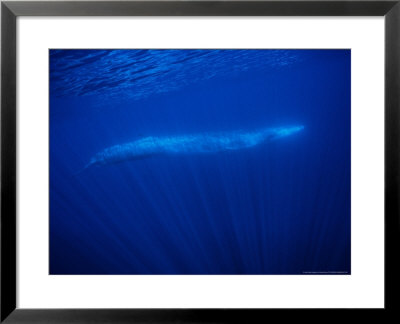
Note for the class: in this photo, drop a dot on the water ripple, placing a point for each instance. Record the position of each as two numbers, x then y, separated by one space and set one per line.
137 74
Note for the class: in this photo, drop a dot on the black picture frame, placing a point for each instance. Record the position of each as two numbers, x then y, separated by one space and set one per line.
10 10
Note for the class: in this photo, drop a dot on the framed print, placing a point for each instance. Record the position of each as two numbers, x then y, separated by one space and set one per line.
180 162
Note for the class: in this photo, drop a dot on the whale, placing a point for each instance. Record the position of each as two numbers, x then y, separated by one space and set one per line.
202 143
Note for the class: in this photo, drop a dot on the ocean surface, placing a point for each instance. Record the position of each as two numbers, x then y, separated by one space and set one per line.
208 195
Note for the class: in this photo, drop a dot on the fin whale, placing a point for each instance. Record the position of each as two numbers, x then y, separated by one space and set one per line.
196 143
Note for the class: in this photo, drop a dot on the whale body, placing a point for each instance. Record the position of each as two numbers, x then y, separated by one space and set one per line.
189 144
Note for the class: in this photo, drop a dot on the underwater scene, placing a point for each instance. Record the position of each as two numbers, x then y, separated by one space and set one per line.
200 161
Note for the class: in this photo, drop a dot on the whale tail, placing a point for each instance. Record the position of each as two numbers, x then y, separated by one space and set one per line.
88 165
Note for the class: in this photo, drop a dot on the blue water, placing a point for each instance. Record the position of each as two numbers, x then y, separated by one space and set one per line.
281 206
